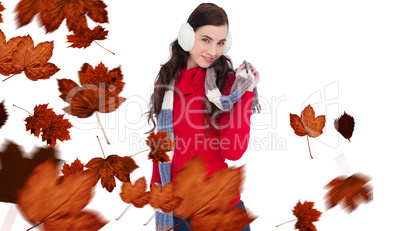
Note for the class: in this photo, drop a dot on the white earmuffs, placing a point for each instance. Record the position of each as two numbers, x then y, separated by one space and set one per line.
186 38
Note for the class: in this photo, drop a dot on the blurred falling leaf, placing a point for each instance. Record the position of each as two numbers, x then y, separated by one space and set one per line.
58 204
3 114
113 165
350 191
307 124
345 125
53 12
164 198
135 193
1 9
306 215
15 169
209 202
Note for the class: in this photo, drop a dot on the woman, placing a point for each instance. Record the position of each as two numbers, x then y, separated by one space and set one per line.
208 117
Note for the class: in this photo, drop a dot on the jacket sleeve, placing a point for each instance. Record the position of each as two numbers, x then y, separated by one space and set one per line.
235 126
156 177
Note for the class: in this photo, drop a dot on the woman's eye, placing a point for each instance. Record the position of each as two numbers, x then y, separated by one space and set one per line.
205 40
221 43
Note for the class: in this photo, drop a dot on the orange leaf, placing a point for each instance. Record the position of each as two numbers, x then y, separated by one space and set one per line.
350 191
99 91
75 167
306 215
307 123
135 193
52 126
46 199
85 40
113 165
209 199
164 199
1 9
53 12
159 144
7 67
34 60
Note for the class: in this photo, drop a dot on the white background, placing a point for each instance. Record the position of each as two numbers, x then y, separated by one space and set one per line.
335 55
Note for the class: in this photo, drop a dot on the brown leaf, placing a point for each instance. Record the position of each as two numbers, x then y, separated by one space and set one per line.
98 33
207 199
135 193
99 91
113 165
307 123
306 215
3 114
7 67
75 167
53 127
46 199
159 144
33 61
15 169
53 12
350 191
164 199
345 125
84 220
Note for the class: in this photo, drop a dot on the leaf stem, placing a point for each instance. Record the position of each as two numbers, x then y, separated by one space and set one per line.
104 48
101 147
139 152
22 109
8 77
286 222
309 147
150 219
124 212
103 130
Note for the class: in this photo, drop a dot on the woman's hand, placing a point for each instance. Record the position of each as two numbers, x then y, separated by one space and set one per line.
254 71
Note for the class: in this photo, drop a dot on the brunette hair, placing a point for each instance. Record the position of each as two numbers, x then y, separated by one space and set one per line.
204 14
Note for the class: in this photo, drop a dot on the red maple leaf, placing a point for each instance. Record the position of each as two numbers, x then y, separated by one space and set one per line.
159 144
75 167
306 215
53 127
112 166
85 40
1 9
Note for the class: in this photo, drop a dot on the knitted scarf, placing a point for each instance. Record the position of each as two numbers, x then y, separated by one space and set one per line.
163 220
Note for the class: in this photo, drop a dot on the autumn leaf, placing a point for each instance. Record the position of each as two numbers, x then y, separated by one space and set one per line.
3 114
86 39
53 127
55 203
159 144
307 124
75 167
15 168
112 166
99 91
207 202
53 12
306 215
349 191
7 67
135 193
1 9
164 199
345 125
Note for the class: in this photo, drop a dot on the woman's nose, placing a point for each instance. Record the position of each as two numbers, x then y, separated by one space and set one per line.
212 50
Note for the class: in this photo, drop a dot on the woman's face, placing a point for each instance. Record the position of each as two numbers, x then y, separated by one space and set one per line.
208 46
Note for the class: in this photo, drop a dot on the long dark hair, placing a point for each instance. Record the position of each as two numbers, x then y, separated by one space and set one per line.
204 14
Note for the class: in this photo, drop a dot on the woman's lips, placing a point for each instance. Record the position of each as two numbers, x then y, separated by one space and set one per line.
207 59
